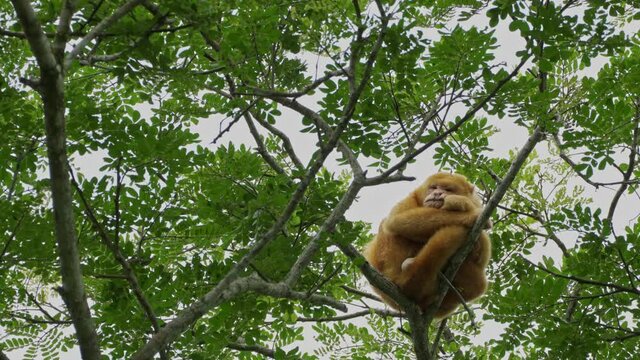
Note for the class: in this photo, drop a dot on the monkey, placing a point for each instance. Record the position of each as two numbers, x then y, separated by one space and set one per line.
421 233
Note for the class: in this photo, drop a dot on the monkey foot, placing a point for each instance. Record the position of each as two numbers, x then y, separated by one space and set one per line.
406 263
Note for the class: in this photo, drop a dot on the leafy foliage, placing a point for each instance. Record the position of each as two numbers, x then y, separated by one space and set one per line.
172 218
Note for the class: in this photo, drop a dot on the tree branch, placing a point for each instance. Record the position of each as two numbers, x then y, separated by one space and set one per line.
586 281
62 32
459 123
253 348
52 91
12 237
327 227
286 142
262 150
295 94
104 24
472 315
7 33
457 259
361 293
112 245
381 312
196 310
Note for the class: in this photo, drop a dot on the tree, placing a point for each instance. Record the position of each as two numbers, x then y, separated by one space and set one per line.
177 248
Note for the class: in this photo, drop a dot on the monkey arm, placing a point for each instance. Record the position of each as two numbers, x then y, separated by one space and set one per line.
418 224
458 203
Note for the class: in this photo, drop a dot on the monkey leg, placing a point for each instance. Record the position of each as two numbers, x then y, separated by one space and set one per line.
419 280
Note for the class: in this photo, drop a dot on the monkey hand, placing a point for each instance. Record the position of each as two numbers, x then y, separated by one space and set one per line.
454 202
488 225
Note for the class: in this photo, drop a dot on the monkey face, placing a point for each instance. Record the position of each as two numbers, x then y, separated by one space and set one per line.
435 195
437 187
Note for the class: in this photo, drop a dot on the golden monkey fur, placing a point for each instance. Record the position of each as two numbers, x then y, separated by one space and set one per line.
422 232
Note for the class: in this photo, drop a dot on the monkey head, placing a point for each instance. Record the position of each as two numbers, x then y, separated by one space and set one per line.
438 186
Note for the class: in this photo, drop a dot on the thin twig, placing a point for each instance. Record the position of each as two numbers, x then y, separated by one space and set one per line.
585 281
98 29
253 348
472 315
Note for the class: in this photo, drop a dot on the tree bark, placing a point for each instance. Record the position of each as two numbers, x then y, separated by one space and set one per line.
51 88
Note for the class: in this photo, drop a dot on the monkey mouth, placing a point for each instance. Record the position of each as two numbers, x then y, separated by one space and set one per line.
434 203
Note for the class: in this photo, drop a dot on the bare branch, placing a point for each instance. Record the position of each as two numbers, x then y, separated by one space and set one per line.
12 237
327 227
281 290
436 342
156 27
32 320
15 34
322 124
295 94
624 337
236 118
627 175
572 164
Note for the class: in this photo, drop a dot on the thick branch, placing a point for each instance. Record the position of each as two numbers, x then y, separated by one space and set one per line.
498 194
281 290
62 32
52 91
375 278
327 227
196 310
37 39
237 287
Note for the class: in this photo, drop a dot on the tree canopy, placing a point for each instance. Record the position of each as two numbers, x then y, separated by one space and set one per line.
132 227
